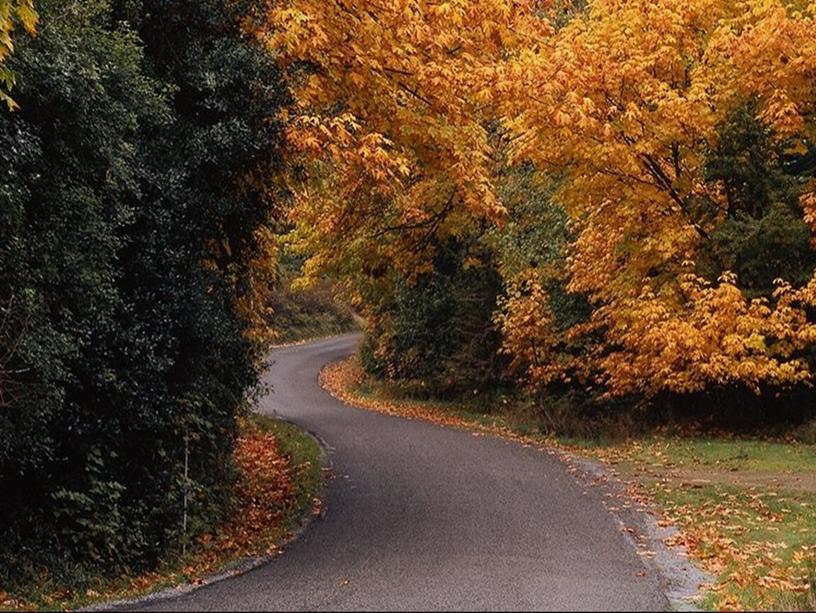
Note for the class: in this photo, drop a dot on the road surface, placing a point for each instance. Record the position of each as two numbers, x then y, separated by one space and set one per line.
422 517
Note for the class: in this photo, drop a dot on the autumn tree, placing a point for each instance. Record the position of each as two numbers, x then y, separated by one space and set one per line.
632 109
396 137
672 140
13 13
391 119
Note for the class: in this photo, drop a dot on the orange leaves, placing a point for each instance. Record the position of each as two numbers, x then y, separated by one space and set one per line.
263 471
292 31
769 52
530 337
624 105
808 204
355 155
750 540
264 492
341 379
263 495
406 110
393 121
713 335
345 380
685 341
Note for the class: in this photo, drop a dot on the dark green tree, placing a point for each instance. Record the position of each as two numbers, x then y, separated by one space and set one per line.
763 236
133 180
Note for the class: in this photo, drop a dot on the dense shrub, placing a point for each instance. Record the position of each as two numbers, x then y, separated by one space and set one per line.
438 328
764 236
134 178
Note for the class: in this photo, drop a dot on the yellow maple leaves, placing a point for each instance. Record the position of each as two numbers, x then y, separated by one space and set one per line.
406 109
13 13
625 107
391 103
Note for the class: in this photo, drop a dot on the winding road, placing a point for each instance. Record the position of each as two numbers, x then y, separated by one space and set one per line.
422 517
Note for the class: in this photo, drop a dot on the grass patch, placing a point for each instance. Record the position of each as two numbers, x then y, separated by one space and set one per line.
759 544
703 454
731 455
758 540
279 481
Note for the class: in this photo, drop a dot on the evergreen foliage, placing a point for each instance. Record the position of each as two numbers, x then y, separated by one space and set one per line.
135 176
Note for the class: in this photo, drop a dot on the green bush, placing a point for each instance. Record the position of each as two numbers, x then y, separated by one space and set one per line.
439 329
125 224
764 235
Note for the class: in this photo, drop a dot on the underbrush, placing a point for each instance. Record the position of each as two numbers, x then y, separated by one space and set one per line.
279 479
315 312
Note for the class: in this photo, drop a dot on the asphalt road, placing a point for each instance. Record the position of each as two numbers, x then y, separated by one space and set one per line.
422 517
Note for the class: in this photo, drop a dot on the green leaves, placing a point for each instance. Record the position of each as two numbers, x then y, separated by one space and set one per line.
134 154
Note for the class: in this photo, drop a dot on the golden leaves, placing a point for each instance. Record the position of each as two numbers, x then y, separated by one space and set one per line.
624 105
13 13
528 329
393 121
748 539
405 109
713 335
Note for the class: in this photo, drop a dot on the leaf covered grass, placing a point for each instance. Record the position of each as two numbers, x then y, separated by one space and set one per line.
740 455
279 480
347 381
758 540
759 544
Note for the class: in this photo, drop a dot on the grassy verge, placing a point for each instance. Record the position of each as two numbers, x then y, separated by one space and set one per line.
304 455
746 509
759 543
279 481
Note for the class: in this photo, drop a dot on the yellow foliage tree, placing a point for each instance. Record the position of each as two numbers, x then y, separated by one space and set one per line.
623 106
406 109
12 14
393 122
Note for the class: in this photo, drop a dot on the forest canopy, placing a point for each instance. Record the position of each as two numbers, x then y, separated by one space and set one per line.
640 174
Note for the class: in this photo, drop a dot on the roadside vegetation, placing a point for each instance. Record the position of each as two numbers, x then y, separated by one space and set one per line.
299 314
585 221
140 147
278 482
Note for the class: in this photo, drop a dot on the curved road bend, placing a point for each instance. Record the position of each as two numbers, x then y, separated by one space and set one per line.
422 517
